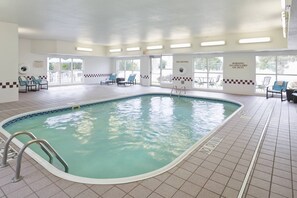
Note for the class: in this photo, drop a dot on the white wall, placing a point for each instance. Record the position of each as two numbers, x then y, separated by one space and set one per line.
145 74
36 63
182 71
239 73
34 55
9 62
96 69
239 67
67 48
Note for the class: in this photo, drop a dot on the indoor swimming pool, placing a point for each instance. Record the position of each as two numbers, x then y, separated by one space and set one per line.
123 139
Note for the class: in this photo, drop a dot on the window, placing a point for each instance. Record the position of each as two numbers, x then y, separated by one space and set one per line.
274 68
125 67
63 71
208 72
161 69
166 69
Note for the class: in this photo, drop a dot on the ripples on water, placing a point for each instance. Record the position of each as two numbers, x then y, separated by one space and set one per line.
127 137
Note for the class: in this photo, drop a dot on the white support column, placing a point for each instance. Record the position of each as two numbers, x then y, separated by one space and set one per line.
9 62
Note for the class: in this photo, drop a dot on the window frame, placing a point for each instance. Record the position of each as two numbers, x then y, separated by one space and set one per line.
207 80
275 75
59 70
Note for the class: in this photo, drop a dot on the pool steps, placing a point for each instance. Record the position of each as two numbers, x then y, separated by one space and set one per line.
45 146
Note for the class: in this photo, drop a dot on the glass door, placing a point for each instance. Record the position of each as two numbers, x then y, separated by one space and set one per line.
77 70
66 72
155 70
53 71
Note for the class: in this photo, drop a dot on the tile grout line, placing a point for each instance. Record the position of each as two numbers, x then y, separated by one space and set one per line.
245 181
250 139
290 144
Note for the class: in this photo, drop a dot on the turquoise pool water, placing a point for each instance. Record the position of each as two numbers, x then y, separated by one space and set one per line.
125 137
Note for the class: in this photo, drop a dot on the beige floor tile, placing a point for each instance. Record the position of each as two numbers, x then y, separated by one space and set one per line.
61 194
190 188
101 189
48 191
230 193
224 171
182 173
206 193
11 187
140 191
214 187
114 192
151 183
234 184
165 190
203 172
197 180
281 190
75 189
127 187
189 166
226 165
42 183
222 179
257 192
155 195
260 183
22 192
87 193
181 194
175 181
282 181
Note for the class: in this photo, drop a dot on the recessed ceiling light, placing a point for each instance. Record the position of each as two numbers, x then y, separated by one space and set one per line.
255 40
85 49
181 45
115 50
212 43
154 47
133 49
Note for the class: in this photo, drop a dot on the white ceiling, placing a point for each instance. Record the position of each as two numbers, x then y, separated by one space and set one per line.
114 22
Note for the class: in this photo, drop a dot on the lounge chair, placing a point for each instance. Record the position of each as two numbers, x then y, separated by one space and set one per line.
199 81
131 80
279 87
291 88
23 82
29 85
265 83
41 83
112 79
214 81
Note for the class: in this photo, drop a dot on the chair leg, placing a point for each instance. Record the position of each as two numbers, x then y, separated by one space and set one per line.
282 96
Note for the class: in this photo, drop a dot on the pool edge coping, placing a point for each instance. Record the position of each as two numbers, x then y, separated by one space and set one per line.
55 171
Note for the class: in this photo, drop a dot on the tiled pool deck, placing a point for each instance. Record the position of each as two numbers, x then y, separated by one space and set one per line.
218 174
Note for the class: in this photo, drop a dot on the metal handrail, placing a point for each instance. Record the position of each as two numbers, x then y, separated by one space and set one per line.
178 90
174 87
38 141
6 146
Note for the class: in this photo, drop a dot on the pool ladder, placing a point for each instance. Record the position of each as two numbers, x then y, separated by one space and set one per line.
45 146
178 90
